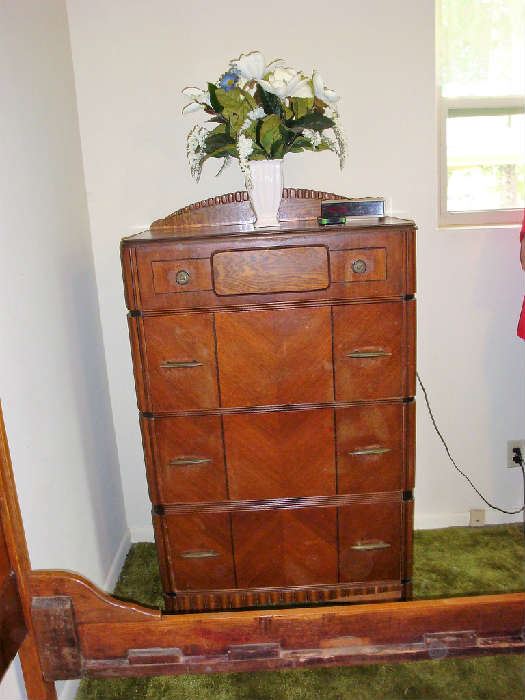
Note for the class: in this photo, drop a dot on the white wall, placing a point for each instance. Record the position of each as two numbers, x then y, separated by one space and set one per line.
53 381
132 60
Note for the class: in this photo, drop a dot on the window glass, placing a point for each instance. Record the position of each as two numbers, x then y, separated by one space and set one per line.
482 47
485 162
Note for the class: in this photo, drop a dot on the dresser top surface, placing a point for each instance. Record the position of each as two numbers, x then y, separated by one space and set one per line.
158 235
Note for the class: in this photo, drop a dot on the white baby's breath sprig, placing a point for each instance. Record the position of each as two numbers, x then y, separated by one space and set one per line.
196 150
244 149
314 137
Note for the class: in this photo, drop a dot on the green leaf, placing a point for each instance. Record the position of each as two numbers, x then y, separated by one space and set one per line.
314 120
222 151
212 89
302 106
234 106
270 103
269 132
218 139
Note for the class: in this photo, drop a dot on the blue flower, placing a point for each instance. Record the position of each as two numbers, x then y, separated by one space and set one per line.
228 81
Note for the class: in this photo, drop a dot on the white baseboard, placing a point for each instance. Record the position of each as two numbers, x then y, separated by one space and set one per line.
118 562
432 521
69 690
142 534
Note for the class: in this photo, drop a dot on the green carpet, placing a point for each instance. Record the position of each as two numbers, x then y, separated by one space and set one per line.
449 562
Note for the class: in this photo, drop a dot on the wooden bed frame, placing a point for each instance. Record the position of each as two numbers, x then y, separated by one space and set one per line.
64 627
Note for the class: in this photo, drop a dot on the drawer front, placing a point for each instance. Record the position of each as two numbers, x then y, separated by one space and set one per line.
359 265
373 351
371 448
198 549
180 364
180 276
285 547
275 357
189 459
370 541
291 269
279 455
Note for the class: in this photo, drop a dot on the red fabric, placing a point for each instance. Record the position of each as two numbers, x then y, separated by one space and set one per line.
521 322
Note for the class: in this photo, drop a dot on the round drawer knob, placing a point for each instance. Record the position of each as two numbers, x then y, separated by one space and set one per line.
182 277
359 266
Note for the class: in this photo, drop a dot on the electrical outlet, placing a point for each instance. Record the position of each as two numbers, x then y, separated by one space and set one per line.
477 517
512 446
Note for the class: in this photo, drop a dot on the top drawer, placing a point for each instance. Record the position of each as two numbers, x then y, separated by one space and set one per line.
206 274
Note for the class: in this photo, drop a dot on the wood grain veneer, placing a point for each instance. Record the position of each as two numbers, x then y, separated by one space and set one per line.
275 372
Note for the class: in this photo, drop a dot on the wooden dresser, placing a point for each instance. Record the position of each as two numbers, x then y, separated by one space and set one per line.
275 376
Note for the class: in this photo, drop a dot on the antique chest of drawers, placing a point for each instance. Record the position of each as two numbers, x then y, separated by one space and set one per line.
275 375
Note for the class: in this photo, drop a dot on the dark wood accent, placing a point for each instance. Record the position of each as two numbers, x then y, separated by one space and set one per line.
274 373
111 642
291 269
223 599
56 636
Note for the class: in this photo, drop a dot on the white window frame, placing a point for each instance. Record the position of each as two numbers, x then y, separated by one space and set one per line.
483 105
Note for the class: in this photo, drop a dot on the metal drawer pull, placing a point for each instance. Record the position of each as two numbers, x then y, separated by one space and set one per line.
371 451
174 364
359 267
182 277
182 461
368 546
362 354
199 554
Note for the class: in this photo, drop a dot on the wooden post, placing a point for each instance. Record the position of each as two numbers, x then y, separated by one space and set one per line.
36 687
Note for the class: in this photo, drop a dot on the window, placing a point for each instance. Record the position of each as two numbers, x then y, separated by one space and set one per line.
481 76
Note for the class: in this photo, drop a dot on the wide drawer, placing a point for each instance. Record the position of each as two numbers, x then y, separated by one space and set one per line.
314 265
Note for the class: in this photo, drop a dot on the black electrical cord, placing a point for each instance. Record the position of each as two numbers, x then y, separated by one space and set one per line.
491 505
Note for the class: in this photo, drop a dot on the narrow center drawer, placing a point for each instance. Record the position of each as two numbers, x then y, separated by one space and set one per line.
261 271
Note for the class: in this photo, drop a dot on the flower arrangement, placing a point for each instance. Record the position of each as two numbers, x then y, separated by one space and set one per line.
260 111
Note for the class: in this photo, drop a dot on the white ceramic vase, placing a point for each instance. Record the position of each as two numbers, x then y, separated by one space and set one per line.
265 191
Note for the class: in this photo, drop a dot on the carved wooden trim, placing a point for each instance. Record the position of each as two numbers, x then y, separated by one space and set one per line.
235 208
337 500
224 599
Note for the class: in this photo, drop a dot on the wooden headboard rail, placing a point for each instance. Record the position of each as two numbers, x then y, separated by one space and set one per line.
235 208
